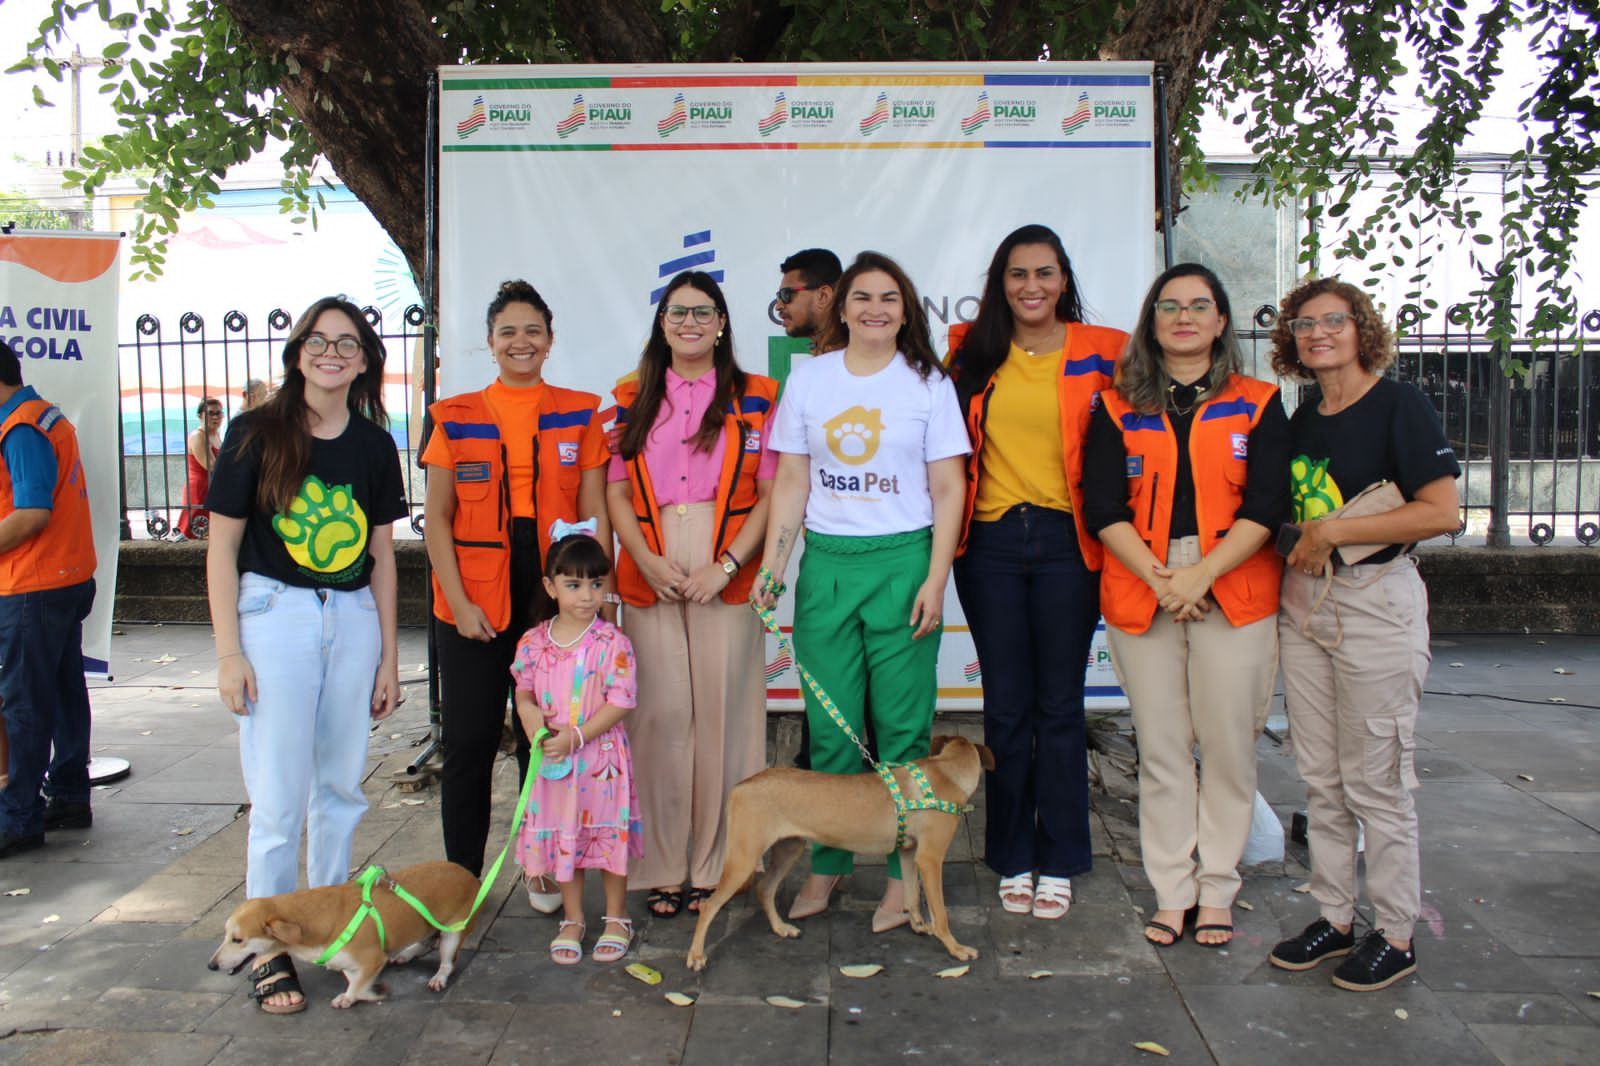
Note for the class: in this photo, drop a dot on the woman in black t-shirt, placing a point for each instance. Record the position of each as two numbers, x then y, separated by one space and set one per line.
301 581
1354 638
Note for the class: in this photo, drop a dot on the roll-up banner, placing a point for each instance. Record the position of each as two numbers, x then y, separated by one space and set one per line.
58 311
598 184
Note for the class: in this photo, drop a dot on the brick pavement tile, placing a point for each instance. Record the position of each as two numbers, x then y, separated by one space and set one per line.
84 1047
145 1009
756 1035
287 1050
542 1034
1575 979
1548 1045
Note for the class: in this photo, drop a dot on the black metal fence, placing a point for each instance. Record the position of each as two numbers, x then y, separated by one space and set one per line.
1543 485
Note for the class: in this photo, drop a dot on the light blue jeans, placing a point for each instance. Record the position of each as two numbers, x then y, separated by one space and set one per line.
303 744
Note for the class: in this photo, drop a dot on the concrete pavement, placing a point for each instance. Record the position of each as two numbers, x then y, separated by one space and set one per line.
103 959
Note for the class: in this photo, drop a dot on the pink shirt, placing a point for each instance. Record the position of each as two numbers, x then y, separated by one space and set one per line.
680 473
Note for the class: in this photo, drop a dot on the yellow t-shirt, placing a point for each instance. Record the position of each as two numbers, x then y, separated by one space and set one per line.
1022 459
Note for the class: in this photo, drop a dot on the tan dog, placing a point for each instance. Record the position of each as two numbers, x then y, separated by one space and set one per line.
782 809
305 923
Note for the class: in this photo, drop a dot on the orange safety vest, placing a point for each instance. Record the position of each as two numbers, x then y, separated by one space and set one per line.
1087 367
1218 442
747 418
62 553
482 527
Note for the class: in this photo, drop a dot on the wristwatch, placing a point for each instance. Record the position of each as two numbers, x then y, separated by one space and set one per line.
730 565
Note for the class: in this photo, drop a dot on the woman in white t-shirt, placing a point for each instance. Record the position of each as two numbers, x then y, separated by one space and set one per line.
871 466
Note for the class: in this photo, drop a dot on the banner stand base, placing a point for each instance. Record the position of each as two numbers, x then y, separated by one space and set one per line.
104 769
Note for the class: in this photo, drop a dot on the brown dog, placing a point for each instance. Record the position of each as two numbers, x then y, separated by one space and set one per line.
305 923
782 809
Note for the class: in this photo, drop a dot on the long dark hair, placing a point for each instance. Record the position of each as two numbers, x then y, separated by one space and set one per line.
988 339
912 339
657 357
282 423
1142 376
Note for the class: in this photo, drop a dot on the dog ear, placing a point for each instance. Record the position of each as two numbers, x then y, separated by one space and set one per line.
284 932
985 756
937 745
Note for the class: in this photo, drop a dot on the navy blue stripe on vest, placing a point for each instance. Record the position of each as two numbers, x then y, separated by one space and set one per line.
622 415
1133 421
564 419
471 431
1229 409
753 404
1089 364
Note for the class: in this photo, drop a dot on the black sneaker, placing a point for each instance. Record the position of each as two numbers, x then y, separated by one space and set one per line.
1319 941
1375 964
14 843
63 814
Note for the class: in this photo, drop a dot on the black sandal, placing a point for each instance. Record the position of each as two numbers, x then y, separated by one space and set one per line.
288 981
697 896
1176 934
664 902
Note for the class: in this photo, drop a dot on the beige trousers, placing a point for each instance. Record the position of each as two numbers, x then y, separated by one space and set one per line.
700 727
1207 683
1352 712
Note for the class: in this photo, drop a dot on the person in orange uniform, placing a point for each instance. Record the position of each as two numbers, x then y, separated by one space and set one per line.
1026 372
505 462
47 565
688 497
1184 481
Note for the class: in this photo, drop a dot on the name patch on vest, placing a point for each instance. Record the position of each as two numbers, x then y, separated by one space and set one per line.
568 451
470 472
1135 466
752 441
49 418
1241 445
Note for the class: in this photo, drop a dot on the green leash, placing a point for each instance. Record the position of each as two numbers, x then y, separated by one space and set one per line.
374 875
927 801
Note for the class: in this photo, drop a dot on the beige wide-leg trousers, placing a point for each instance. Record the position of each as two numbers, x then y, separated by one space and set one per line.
700 726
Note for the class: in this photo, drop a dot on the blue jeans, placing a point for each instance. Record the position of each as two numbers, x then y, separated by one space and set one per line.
45 702
303 744
1032 606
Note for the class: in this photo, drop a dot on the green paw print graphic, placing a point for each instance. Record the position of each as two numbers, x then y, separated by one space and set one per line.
1315 493
325 529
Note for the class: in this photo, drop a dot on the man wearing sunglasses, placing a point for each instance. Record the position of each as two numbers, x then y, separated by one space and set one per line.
805 295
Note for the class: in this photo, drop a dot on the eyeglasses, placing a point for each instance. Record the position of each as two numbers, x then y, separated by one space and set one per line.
213 412
1172 308
789 292
703 313
345 347
1332 322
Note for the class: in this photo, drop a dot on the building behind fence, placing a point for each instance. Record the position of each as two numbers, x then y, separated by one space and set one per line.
1544 483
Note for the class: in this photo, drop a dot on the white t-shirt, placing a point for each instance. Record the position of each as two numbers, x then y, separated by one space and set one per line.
870 440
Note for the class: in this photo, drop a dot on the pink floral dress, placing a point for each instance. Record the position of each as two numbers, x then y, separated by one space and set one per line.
583 813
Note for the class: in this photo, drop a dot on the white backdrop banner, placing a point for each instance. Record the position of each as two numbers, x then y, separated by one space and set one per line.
598 184
58 311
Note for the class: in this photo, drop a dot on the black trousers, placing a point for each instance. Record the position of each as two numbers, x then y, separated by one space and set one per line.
475 686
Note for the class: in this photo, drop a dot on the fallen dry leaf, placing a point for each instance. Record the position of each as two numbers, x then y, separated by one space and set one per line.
1303 887
1457 666
409 802
165 659
1400 1012
678 999
1562 670
182 832
1558 699
146 732
1592 995
50 919
18 891
616 1014
640 972
866 969
1039 975
954 971
785 1001
1152 1047
1524 777
1244 904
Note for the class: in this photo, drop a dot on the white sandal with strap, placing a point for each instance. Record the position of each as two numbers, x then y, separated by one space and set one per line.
541 901
1052 898
613 946
1016 893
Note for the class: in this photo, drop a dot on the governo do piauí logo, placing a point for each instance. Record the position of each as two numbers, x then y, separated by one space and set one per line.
878 117
574 120
1078 117
979 118
676 119
774 119
476 119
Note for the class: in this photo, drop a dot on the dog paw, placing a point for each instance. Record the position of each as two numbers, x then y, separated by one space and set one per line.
344 1000
962 952
437 983
696 961
787 931
920 925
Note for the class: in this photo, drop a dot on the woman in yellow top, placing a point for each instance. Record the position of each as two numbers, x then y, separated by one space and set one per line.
1026 373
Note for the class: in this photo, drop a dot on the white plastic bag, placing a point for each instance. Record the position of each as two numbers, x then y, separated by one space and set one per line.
1266 835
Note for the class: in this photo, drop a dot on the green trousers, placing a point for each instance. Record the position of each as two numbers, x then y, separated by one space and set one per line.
852 604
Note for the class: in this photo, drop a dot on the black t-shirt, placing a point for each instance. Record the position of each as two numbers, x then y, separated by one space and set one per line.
352 485
1390 434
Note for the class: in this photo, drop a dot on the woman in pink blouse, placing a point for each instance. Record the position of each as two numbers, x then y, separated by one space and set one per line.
687 496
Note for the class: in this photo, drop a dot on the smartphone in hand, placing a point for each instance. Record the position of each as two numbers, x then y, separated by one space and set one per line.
1288 537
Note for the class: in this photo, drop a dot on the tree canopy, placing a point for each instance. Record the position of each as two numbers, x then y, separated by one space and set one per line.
203 84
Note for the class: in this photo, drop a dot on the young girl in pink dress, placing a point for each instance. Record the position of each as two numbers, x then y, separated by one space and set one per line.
575 677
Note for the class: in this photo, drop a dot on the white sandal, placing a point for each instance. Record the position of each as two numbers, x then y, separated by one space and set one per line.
543 902
1011 891
1052 898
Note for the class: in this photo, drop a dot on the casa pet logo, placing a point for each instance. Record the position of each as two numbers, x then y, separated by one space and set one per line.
494 114
696 114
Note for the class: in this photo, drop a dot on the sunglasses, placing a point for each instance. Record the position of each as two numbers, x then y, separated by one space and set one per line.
789 292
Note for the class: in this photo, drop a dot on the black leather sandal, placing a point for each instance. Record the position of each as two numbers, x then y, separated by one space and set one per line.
664 902
697 896
288 981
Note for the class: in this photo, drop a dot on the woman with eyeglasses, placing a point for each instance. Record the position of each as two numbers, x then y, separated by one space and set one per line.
1026 373
688 494
1354 634
1183 484
504 463
872 454
200 455
300 576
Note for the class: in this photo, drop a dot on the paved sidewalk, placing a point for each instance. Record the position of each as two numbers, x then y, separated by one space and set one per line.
103 959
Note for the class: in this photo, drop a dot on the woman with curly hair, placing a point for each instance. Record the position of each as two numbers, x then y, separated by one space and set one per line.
1354 624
